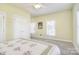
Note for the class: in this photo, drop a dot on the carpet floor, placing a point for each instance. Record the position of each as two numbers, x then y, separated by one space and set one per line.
66 48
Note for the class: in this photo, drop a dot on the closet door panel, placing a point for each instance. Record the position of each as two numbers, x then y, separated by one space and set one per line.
20 28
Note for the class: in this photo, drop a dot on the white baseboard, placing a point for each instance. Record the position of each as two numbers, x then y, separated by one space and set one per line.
63 40
52 38
59 39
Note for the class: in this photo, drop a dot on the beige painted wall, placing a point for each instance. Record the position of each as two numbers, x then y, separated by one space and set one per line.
11 10
63 24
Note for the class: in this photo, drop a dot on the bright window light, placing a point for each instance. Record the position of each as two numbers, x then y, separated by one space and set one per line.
51 30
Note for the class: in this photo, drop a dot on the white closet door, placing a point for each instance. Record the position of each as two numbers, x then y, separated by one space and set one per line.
2 27
20 27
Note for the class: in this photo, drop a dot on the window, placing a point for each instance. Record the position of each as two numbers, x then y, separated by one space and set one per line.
33 26
51 31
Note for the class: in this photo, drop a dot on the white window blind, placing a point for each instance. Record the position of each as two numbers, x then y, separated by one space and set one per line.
51 30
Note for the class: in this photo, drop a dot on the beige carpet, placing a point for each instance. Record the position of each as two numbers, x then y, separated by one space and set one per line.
66 48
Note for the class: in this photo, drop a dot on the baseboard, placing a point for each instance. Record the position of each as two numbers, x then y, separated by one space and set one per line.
51 38
63 40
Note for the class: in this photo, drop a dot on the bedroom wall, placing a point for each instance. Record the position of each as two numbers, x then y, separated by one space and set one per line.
11 10
63 25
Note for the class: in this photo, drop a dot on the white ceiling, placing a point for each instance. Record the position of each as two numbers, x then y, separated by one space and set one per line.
47 8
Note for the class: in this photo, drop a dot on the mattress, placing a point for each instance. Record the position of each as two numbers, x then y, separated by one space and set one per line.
28 47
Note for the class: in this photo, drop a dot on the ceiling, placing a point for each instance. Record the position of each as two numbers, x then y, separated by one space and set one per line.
46 9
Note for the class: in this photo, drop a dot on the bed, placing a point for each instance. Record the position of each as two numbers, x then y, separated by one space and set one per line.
28 47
